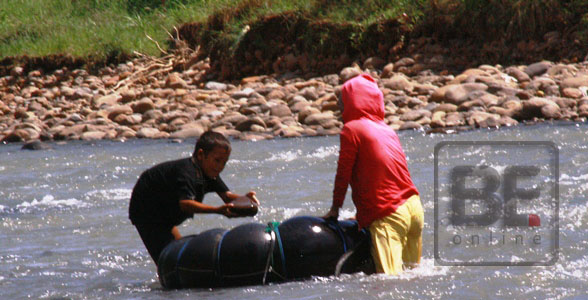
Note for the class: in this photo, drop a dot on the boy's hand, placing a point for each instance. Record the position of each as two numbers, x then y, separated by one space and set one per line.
251 195
226 211
332 214
245 206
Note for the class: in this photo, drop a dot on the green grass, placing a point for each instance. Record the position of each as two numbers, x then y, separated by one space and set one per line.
91 28
103 28
98 28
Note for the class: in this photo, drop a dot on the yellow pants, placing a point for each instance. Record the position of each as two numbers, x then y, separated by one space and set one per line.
397 238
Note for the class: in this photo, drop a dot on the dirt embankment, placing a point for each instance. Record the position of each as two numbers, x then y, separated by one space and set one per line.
291 42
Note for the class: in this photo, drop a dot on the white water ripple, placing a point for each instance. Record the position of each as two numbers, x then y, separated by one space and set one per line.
49 201
112 194
566 179
286 156
320 152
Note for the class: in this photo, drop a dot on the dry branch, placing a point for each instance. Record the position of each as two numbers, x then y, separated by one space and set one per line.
150 67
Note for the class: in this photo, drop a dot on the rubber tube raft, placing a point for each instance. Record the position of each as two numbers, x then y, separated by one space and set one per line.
255 253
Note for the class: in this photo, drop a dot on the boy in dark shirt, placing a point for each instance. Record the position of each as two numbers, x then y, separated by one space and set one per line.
171 192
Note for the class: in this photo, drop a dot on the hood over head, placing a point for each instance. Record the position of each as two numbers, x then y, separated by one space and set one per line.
362 98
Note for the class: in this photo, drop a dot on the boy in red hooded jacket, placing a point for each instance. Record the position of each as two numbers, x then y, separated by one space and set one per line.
372 161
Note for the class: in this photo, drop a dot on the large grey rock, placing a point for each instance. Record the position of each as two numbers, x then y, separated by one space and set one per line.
276 94
245 93
234 118
36 145
174 81
310 93
410 125
414 115
483 119
518 74
148 133
118 110
299 106
575 82
446 107
551 111
323 119
537 69
280 110
348 73
387 71
454 119
109 100
438 119
400 83
246 124
540 108
143 105
309 110
187 133
93 135
70 133
486 98
374 63
16 136
403 62
507 121
128 95
573 93
456 93
217 86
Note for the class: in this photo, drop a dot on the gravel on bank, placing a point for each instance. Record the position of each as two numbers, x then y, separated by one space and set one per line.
146 98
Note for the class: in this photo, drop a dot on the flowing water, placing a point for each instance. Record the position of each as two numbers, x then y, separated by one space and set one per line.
65 234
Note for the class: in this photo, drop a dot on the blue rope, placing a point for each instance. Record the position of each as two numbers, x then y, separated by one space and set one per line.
335 225
181 252
273 226
281 251
218 252
178 258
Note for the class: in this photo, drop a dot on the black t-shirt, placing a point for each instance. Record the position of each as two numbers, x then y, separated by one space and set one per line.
157 194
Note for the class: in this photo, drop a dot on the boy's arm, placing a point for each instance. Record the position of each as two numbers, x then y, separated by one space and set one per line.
347 156
195 207
223 191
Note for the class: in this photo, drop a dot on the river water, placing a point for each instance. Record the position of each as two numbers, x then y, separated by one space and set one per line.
65 234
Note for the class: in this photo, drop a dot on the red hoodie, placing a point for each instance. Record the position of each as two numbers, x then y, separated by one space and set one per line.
371 157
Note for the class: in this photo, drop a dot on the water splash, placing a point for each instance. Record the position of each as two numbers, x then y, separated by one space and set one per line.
566 179
574 216
112 194
324 152
291 212
49 201
346 213
286 156
426 268
291 155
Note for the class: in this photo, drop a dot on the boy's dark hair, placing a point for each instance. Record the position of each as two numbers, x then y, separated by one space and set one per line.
209 140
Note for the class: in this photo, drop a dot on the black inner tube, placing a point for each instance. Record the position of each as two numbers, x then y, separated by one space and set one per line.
253 253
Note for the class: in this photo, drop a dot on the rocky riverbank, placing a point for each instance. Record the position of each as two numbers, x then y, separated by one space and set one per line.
153 98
